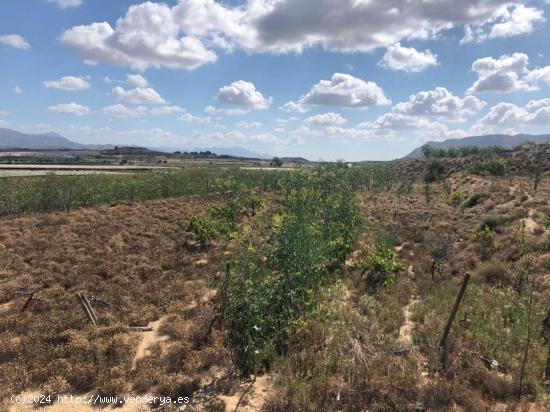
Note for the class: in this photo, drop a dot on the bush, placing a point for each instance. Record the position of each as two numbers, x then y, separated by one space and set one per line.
436 169
493 273
455 199
381 266
495 166
203 229
474 199
493 221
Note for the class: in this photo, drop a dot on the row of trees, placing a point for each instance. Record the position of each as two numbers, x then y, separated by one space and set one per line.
453 152
269 287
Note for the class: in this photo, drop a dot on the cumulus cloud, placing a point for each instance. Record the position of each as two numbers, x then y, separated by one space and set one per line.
190 33
18 90
440 103
163 110
293 107
14 40
147 36
508 73
189 118
70 108
407 59
65 4
243 94
325 119
137 80
535 112
507 21
343 90
139 95
69 83
121 111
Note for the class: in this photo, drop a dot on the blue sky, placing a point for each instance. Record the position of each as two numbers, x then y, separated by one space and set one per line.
324 79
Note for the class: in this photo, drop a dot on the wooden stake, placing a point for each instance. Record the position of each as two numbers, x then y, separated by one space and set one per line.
86 309
90 309
459 298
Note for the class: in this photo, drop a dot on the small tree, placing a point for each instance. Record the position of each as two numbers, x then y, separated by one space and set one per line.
428 193
277 162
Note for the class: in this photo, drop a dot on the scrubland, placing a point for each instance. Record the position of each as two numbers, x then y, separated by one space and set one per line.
320 289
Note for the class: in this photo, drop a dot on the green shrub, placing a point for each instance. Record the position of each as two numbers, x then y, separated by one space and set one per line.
495 166
493 221
203 229
474 199
436 170
381 267
455 199
487 241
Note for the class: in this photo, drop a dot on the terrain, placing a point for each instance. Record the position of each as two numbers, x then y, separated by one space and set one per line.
320 289
502 140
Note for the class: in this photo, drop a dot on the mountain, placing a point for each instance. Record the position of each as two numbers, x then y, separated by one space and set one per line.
10 139
504 140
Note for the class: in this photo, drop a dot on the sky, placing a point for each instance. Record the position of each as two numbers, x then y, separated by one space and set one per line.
322 79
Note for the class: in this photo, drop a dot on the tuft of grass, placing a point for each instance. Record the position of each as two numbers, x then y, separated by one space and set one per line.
494 273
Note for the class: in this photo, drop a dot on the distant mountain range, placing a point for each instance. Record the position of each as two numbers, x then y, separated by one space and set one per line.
504 140
10 139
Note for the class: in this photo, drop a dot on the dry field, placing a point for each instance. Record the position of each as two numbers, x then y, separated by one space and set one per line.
365 348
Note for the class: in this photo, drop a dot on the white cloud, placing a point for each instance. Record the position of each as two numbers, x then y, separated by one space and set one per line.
64 4
189 118
440 103
190 33
14 40
243 94
18 90
163 110
539 75
535 112
148 36
344 90
69 83
293 107
4 113
248 125
325 119
70 108
407 59
139 95
121 111
228 112
137 80
507 21
505 74
395 126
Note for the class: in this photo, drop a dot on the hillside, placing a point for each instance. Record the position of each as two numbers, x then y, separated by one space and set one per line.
504 140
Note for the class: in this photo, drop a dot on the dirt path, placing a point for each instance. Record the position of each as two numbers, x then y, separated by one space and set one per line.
253 396
148 339
406 330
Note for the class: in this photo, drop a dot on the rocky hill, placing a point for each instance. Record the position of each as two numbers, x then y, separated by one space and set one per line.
503 140
523 161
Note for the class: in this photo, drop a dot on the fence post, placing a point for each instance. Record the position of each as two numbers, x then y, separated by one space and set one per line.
87 308
459 298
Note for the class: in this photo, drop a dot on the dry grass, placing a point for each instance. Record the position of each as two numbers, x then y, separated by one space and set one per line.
132 263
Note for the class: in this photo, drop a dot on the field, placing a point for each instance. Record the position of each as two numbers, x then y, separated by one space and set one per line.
321 289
